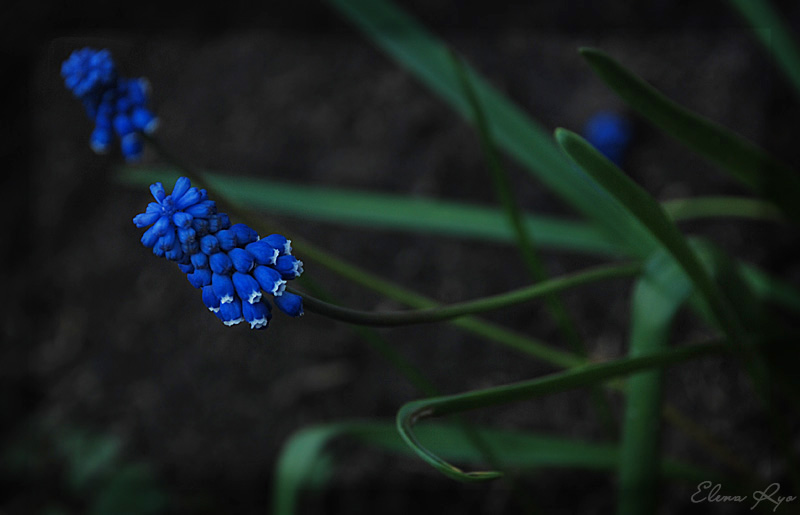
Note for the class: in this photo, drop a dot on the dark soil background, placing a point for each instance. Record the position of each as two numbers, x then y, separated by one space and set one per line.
100 336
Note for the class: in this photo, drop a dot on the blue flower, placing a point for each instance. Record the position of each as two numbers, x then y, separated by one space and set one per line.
230 264
171 214
610 134
116 104
88 71
290 304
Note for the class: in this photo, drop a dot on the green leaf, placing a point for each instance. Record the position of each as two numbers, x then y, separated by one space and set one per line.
746 162
89 456
386 211
659 292
577 377
393 30
652 216
774 34
131 489
720 206
304 451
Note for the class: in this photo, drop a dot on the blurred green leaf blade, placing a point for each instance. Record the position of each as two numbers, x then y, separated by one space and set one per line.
652 216
659 292
774 35
743 160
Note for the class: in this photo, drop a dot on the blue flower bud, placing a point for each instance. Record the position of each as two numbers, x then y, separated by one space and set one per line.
277 241
191 247
220 263
290 304
231 312
263 253
150 237
610 134
174 254
200 226
247 287
200 260
224 221
144 219
227 239
100 140
223 287
144 120
270 280
123 125
244 234
169 240
186 269
186 236
131 146
123 103
200 278
202 209
158 192
182 220
162 225
243 261
289 266
189 198
257 314
182 185
210 299
209 244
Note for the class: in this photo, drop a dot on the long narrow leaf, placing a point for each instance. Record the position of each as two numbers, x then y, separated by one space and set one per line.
579 377
302 454
652 216
387 211
659 292
393 30
749 164
774 35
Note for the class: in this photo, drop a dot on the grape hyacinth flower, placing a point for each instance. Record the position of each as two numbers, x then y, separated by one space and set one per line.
116 104
233 267
609 133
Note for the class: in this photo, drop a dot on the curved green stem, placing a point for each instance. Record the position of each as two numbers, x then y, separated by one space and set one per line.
437 314
579 377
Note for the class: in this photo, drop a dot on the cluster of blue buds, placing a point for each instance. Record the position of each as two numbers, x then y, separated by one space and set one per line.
230 263
116 104
609 133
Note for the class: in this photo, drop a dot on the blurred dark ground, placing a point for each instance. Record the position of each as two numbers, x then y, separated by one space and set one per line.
101 337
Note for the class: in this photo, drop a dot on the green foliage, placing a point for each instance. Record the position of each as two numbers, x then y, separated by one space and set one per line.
92 469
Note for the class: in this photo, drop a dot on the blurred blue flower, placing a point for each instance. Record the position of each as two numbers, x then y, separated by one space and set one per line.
231 265
609 133
116 104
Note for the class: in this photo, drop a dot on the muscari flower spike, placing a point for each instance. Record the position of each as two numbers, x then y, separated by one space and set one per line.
609 133
117 105
234 268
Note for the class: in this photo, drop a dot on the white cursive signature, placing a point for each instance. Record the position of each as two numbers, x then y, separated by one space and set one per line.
770 494
710 492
